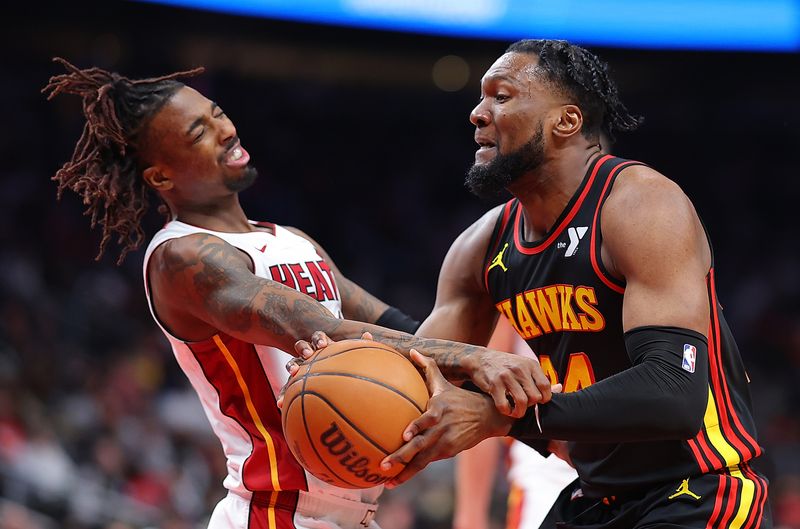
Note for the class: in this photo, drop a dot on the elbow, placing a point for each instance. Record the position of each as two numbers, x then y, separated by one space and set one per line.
691 414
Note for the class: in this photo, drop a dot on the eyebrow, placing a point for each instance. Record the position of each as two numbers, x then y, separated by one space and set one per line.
199 121
501 77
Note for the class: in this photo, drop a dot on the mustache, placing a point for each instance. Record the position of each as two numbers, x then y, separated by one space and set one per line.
228 146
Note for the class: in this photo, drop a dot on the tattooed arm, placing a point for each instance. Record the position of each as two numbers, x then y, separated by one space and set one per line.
357 303
202 285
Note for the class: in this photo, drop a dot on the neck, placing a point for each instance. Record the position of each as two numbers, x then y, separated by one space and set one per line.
545 192
224 215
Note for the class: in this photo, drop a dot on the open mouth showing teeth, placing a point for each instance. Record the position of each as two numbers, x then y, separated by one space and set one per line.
236 154
486 144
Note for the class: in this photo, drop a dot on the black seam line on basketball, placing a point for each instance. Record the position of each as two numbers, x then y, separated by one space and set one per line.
302 395
368 379
353 426
314 447
314 359
384 348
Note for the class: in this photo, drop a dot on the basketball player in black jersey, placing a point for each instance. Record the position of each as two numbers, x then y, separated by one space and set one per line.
604 267
161 135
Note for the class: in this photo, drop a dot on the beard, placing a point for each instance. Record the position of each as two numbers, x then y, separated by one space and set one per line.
247 178
487 181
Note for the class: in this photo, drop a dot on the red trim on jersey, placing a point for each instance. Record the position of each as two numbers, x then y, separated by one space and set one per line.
723 484
731 501
256 472
258 517
743 436
264 224
272 510
760 498
715 461
605 279
503 224
701 462
564 223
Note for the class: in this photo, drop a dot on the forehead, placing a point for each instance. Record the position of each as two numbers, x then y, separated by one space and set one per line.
185 105
515 67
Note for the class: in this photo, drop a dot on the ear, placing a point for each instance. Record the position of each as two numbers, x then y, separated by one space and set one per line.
156 179
569 121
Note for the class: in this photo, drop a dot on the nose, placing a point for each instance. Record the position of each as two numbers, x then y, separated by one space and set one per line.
480 115
227 130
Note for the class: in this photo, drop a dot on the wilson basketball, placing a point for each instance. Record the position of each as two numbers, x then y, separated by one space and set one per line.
346 409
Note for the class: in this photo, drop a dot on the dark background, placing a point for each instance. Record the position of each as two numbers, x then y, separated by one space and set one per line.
357 146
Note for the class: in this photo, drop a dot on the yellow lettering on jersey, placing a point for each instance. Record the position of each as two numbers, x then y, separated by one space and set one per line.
546 311
526 325
568 317
579 373
553 308
504 307
548 369
591 319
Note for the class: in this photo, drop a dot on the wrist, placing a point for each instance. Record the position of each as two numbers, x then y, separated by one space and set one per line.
470 363
497 424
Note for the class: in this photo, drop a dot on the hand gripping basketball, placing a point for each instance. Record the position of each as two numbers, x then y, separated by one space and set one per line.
514 382
455 420
346 408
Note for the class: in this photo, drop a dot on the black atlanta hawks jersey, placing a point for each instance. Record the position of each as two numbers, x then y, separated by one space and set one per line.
560 298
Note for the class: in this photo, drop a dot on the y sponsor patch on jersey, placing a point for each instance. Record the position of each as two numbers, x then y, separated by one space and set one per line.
689 357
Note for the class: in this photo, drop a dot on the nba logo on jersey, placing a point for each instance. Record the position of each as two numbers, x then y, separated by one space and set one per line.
689 356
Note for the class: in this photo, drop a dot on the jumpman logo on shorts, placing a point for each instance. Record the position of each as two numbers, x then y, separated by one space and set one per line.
684 490
498 260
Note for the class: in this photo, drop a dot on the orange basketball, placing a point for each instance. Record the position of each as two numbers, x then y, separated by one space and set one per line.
346 409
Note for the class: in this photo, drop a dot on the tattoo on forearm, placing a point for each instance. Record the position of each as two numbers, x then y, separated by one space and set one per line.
449 356
227 289
359 305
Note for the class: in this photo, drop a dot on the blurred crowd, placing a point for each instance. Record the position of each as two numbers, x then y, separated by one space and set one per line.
98 427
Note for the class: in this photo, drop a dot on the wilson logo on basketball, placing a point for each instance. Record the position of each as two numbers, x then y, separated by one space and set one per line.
334 440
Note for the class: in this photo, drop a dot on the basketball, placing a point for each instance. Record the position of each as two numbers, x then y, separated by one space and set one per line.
346 409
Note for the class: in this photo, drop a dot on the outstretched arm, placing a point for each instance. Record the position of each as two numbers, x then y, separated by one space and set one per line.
206 281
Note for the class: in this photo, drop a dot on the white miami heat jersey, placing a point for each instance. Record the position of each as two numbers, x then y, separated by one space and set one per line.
238 382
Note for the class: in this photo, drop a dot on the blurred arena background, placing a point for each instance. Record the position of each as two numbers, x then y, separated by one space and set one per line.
362 139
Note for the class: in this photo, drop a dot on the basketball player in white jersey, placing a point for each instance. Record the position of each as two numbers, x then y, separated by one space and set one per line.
535 481
231 294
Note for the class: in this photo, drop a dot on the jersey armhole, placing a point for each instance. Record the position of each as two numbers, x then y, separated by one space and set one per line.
494 240
149 291
599 267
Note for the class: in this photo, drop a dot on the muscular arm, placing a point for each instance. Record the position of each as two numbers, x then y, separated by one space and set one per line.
202 285
653 238
463 310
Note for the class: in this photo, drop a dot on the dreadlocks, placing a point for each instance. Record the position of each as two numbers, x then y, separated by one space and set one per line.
585 77
104 167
